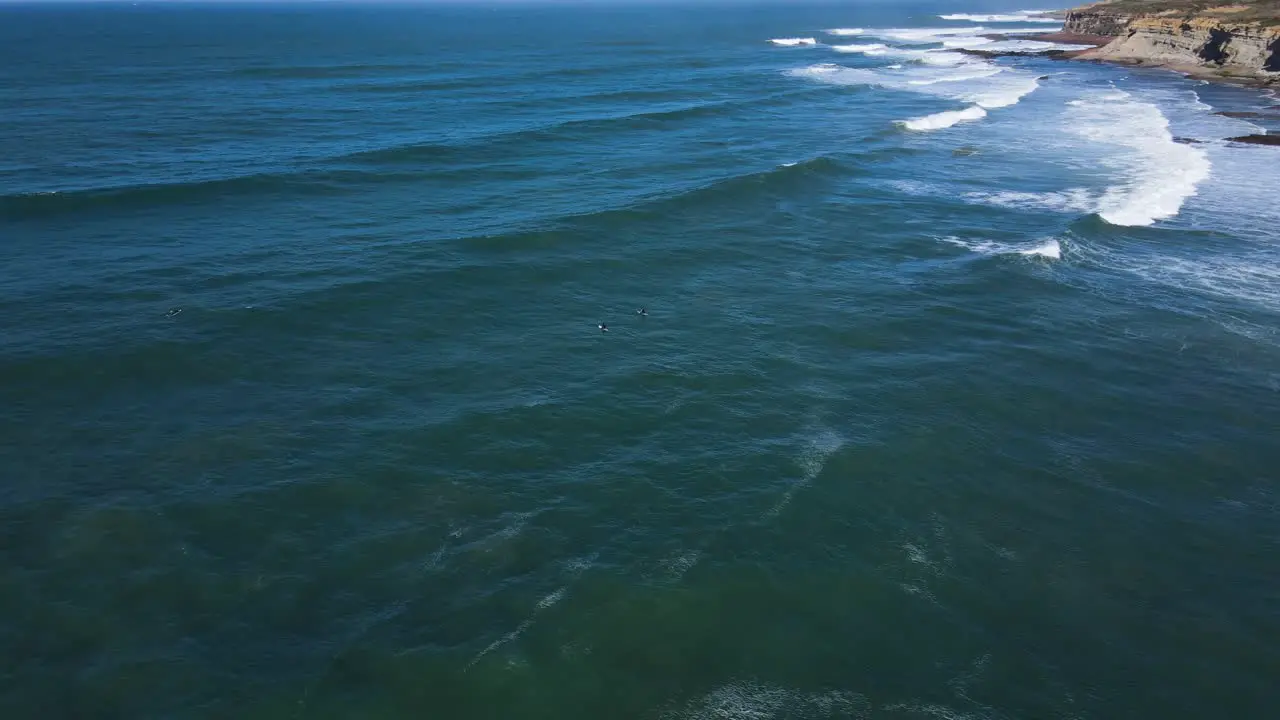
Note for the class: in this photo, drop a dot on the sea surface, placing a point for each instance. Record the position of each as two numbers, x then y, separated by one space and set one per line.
957 395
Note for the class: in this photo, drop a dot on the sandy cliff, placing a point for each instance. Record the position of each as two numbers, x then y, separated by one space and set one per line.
1241 40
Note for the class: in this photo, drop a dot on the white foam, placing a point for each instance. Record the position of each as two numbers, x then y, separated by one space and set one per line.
1075 200
961 74
1026 46
1049 249
865 48
752 701
924 36
1009 89
937 71
677 566
845 32
836 74
794 42
814 456
938 121
552 598
1157 175
969 41
937 57
1021 16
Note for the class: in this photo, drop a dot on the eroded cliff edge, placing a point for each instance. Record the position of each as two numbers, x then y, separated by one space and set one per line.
1240 40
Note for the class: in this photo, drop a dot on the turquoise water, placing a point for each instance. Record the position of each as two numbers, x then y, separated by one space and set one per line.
307 413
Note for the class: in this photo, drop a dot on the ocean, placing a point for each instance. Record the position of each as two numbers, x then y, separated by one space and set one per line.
957 393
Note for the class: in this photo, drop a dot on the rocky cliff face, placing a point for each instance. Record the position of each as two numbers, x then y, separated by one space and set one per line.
1235 48
1088 21
1196 42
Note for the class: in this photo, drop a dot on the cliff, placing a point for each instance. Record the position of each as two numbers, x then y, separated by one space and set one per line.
1240 40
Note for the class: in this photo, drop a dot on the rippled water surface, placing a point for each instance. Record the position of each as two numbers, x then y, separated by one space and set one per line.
957 395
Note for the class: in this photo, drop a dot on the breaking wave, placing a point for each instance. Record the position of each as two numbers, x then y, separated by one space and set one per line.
794 42
938 121
1157 174
1034 16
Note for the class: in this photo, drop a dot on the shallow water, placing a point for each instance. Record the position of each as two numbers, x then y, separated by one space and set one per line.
956 396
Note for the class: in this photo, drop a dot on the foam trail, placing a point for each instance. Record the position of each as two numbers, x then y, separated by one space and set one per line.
677 566
938 121
845 32
752 701
1077 200
794 42
552 599
812 459
1049 249
575 569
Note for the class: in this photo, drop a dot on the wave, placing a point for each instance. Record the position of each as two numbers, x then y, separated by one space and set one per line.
794 42
1021 16
32 205
978 83
937 57
1009 91
864 48
924 36
340 174
1049 249
779 179
1076 200
415 153
967 42
973 72
938 121
845 32
310 72
1158 174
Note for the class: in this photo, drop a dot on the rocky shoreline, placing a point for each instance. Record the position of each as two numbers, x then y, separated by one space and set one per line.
1237 43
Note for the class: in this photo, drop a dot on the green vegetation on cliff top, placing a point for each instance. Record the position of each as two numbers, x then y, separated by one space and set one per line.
1266 12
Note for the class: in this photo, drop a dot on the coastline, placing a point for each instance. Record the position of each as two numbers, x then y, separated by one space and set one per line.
1222 74
1231 43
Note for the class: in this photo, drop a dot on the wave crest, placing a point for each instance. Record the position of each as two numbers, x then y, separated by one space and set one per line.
1158 173
794 42
938 121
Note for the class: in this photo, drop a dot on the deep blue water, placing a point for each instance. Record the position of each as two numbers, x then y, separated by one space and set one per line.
957 396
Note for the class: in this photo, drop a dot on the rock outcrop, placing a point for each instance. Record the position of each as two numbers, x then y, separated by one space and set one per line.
1257 139
1096 21
1234 40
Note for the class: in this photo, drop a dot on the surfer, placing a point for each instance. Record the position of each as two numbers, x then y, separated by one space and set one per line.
642 312
604 328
